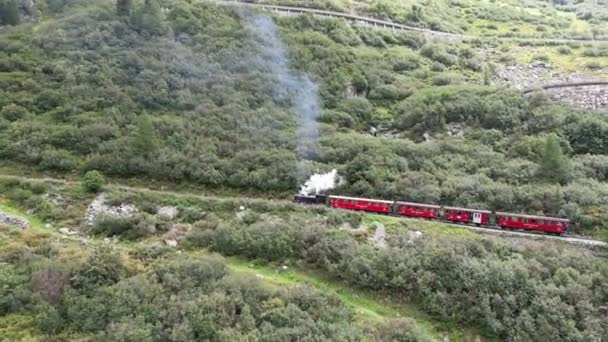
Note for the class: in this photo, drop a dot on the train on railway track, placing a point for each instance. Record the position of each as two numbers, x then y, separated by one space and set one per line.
465 216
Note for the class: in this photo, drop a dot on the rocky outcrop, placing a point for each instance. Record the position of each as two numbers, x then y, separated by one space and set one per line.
525 76
379 238
99 207
413 236
13 221
168 213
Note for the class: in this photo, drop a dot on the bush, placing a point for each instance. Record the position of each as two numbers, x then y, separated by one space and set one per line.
438 54
596 52
103 267
540 57
93 181
564 50
593 65
14 112
115 226
437 67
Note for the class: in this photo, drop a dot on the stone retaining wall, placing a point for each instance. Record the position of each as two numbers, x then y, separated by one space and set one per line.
588 97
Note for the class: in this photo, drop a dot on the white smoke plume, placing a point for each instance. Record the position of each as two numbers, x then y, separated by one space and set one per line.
298 91
319 183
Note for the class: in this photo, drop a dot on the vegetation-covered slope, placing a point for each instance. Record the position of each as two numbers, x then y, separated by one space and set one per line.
584 19
178 91
140 289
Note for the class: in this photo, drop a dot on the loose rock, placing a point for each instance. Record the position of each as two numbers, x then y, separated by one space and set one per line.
167 212
379 238
100 207
413 235
10 220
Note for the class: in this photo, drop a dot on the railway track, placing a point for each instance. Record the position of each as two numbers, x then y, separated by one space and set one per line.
571 239
379 23
575 240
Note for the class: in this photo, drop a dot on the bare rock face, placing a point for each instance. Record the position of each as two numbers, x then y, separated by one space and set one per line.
379 238
67 231
100 207
10 220
168 213
177 233
171 243
413 236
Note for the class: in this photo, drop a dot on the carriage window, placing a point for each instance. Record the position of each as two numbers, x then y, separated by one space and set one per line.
525 220
460 213
559 224
541 222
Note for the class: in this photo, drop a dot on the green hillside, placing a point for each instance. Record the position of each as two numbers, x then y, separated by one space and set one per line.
178 92
292 273
582 19
190 97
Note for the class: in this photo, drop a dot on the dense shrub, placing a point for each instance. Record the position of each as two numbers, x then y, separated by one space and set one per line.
479 282
176 298
93 181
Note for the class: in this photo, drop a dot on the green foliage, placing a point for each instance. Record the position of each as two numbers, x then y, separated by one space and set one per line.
148 18
124 7
145 140
438 54
104 267
93 181
490 284
210 115
564 50
177 298
9 12
554 166
13 112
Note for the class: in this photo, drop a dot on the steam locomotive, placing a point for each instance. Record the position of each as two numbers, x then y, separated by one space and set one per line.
480 218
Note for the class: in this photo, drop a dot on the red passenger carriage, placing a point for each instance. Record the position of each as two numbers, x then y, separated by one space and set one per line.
464 215
365 204
427 211
531 222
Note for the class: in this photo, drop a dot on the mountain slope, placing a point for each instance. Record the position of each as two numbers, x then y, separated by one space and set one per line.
182 92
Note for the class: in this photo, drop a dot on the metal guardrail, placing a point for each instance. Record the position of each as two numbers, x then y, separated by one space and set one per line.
397 26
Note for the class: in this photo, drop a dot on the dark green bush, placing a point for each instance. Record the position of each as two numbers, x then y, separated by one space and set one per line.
93 181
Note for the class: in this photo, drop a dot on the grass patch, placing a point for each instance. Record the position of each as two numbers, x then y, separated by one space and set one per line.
392 224
17 327
33 220
368 307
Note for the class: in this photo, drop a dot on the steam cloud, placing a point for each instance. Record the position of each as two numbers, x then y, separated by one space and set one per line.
321 182
300 91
